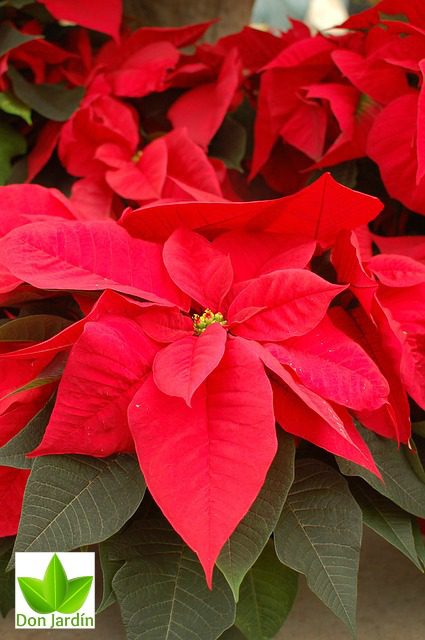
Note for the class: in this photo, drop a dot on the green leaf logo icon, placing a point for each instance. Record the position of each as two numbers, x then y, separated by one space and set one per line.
55 592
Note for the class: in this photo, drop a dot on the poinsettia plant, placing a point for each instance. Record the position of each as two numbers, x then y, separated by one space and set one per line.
212 299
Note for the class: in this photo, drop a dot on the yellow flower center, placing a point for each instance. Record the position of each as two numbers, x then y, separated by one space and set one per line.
201 322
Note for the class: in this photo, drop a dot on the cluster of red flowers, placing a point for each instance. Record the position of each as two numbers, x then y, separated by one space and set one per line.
219 317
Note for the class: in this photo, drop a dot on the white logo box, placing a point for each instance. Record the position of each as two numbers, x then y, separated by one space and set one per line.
34 565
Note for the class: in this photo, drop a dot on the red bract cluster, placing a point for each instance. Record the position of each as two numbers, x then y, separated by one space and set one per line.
206 307
240 315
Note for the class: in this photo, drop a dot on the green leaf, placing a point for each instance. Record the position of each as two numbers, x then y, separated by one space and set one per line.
386 519
419 543
400 483
35 328
7 579
251 535
10 38
76 595
53 101
415 454
266 598
229 143
55 582
233 634
72 501
161 589
419 428
15 107
18 4
319 534
33 592
12 144
109 569
345 173
13 453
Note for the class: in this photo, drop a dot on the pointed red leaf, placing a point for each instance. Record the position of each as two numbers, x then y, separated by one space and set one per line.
198 268
88 14
254 253
392 420
297 418
328 362
314 212
288 303
24 203
105 368
88 256
165 325
312 417
202 109
12 487
397 271
181 367
393 149
347 261
202 469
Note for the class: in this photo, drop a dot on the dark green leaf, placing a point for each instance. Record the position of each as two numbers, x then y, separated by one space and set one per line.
10 38
109 569
15 107
345 173
32 328
400 483
18 4
13 453
319 534
12 144
53 101
250 537
229 143
233 634
419 543
386 519
415 454
162 590
33 592
77 591
419 428
266 597
7 579
72 501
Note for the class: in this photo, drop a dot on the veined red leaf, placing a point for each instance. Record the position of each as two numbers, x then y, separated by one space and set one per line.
198 268
24 203
397 271
181 367
313 212
202 109
334 427
164 324
12 483
88 256
290 303
392 420
105 368
205 465
296 417
328 362
90 15
254 253
347 261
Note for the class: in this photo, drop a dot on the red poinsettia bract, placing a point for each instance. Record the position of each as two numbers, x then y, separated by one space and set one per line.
235 333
